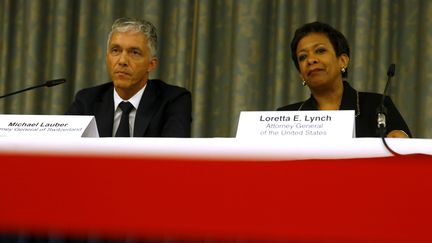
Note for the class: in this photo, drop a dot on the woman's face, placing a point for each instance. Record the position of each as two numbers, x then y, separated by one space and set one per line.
319 65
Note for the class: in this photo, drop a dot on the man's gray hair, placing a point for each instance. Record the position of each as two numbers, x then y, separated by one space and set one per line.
136 25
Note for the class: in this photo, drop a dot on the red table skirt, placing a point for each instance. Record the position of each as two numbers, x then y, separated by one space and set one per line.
376 199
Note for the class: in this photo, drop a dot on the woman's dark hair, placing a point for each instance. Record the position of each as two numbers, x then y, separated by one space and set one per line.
337 39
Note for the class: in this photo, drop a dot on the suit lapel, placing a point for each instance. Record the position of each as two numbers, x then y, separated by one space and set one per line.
146 109
105 113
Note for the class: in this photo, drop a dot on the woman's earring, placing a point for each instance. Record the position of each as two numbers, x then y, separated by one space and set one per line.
304 83
343 70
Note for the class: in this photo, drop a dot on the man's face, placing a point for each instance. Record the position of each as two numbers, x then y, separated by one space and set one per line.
129 62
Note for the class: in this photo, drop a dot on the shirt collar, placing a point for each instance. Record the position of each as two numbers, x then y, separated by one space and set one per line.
134 100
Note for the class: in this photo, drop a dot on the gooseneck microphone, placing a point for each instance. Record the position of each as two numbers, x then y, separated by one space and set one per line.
48 83
382 110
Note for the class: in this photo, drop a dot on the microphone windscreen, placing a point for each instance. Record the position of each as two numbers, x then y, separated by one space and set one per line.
54 82
391 70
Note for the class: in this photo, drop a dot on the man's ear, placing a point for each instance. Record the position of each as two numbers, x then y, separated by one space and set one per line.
152 64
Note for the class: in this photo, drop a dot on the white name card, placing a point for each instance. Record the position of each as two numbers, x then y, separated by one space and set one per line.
47 126
262 124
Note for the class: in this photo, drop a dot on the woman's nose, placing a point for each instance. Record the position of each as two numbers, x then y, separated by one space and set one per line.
312 59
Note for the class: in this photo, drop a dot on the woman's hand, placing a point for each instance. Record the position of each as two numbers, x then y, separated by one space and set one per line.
397 134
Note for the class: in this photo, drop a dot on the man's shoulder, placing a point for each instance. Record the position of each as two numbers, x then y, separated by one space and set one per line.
167 89
290 107
95 91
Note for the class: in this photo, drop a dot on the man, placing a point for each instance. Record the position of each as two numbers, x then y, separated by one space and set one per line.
157 109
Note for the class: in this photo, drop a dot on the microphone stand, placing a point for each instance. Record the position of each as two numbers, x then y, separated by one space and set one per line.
48 83
382 111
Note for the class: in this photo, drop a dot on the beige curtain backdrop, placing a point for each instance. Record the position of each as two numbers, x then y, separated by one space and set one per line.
233 55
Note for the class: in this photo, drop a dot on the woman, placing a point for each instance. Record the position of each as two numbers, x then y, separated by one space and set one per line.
321 55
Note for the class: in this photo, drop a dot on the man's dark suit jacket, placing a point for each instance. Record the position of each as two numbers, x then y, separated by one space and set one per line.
365 105
164 110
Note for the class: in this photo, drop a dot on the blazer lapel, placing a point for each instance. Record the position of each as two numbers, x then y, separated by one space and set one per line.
105 114
350 99
146 109
309 104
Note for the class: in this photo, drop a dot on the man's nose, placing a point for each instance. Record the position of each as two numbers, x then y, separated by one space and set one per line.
123 58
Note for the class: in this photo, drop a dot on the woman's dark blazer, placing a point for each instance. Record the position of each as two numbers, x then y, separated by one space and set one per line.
365 105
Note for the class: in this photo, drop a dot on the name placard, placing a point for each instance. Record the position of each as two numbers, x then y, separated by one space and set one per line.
48 126
261 124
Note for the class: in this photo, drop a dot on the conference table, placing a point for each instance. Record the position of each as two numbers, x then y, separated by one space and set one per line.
217 189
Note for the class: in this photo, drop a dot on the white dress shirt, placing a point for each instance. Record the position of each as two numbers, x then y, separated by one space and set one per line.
134 100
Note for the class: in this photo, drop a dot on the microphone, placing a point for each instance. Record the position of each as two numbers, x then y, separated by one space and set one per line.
382 110
48 83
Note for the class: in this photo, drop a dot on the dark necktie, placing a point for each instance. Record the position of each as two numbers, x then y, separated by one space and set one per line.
123 129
